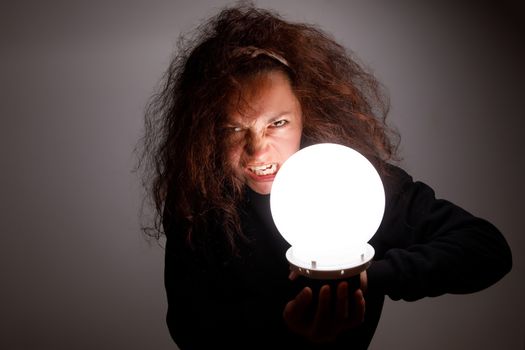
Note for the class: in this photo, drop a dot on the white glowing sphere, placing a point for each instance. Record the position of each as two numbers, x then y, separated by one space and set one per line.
327 201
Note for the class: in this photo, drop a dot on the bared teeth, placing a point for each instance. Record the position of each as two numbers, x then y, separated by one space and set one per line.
266 169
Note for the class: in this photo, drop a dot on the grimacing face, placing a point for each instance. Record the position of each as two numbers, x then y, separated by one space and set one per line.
266 131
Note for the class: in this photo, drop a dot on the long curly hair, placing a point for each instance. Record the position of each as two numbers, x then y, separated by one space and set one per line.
184 149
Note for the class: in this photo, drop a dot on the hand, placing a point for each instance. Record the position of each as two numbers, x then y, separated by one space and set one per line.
323 322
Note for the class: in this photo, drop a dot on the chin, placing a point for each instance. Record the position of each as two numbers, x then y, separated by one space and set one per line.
261 188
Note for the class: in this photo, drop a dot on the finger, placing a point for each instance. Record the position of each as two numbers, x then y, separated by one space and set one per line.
360 305
322 315
357 310
363 278
295 310
304 298
341 311
293 275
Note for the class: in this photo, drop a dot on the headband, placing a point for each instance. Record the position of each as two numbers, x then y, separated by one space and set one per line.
253 52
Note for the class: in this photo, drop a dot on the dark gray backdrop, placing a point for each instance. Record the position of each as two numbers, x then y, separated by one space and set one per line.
75 77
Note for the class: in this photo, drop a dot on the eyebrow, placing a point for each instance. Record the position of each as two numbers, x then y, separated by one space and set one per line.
269 120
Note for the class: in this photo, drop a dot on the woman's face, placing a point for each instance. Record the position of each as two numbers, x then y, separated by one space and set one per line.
265 129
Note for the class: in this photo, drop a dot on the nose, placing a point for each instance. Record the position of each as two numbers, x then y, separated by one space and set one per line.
256 144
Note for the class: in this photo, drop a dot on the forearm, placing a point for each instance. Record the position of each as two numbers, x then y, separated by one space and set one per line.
428 247
443 266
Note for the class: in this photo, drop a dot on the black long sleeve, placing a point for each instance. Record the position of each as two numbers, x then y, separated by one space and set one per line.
427 246
216 300
424 247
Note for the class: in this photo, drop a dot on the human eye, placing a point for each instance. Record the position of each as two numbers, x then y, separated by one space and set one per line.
234 128
279 123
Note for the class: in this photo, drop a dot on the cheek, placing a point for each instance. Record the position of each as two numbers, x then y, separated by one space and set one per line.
294 143
234 156
235 147
287 149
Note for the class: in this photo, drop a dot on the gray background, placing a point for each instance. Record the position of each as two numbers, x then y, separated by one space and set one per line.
75 271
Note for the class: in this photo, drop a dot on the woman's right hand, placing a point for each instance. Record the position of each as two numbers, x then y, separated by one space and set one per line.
322 322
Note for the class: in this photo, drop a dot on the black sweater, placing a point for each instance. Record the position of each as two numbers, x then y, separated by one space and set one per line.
424 247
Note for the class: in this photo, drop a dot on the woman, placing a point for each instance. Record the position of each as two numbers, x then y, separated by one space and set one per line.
249 91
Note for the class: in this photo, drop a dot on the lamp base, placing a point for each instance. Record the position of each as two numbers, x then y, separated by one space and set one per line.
315 276
313 271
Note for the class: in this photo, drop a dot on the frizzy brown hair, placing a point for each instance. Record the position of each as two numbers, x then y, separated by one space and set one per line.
184 148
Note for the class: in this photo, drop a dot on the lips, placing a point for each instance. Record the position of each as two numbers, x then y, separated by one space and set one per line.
264 169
